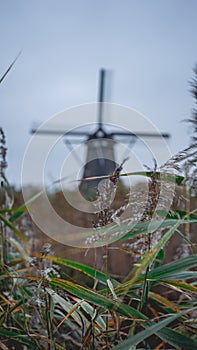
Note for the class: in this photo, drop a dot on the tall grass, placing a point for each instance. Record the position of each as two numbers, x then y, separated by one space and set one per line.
154 306
41 309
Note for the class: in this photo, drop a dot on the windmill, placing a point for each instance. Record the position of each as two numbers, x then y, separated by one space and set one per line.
100 157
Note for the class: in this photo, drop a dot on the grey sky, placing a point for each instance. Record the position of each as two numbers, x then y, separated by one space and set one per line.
149 45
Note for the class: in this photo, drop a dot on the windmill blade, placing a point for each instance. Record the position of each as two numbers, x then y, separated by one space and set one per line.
58 132
101 85
10 67
140 134
104 92
101 98
112 134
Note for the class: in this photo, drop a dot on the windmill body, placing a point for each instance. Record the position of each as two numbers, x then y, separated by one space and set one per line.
100 160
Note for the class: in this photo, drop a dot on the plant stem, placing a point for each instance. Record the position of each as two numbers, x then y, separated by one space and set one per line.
48 319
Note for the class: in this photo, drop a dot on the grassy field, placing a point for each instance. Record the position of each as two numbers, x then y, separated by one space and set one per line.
138 292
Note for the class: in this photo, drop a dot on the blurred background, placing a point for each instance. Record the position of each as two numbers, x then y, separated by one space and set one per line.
149 47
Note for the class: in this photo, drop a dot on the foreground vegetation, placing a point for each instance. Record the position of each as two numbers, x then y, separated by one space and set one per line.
45 305
41 307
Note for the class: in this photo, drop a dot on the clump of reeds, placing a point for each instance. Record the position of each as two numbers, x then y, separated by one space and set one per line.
3 195
105 195
42 309
3 151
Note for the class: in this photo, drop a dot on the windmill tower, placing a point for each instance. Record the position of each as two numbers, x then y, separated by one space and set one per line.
100 157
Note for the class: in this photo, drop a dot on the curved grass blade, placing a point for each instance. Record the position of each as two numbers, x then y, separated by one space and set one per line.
18 247
14 229
143 227
10 67
68 307
23 208
86 294
181 285
154 329
167 304
171 269
124 231
167 177
91 311
97 299
160 176
87 270
146 260
21 338
178 340
177 214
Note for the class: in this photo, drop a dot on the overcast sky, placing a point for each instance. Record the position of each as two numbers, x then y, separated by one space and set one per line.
149 45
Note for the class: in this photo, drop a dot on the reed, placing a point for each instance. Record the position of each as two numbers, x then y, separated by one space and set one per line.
154 306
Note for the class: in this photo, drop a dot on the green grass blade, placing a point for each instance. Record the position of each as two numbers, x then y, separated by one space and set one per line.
68 307
87 270
167 177
21 338
18 246
171 269
23 208
143 227
168 305
14 229
97 299
147 260
181 285
91 310
155 328
179 341
177 214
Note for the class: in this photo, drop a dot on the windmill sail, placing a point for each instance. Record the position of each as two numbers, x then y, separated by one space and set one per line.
100 157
